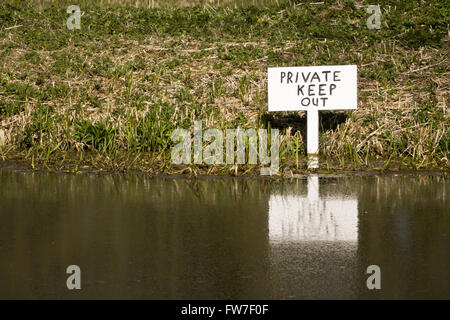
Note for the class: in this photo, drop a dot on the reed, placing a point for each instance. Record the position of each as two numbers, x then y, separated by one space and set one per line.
108 96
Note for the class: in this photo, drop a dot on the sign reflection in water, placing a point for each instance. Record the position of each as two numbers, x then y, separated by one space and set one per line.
294 218
314 235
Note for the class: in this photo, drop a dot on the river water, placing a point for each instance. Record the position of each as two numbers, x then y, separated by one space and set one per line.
135 236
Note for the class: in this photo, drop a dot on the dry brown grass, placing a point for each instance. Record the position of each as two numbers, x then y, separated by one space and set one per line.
121 86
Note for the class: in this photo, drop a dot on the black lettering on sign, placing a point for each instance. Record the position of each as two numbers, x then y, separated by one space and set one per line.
332 87
305 102
322 89
315 76
289 80
315 88
335 76
314 101
303 76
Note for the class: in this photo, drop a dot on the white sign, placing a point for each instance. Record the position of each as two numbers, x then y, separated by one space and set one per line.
318 87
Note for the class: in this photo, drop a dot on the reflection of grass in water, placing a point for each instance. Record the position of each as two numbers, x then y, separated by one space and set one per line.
398 215
135 188
130 76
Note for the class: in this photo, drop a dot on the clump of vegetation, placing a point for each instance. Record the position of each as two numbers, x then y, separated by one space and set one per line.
108 96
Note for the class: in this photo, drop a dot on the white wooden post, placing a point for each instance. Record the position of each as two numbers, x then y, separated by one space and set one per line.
312 131
312 148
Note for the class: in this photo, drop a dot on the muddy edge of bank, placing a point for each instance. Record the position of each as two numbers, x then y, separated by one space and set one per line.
24 166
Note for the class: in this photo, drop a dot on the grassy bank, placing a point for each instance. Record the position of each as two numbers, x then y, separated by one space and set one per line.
108 96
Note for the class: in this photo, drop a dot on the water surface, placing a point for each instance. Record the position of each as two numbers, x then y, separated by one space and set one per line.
139 237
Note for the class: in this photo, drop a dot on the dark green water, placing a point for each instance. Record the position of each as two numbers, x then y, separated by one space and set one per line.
162 238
